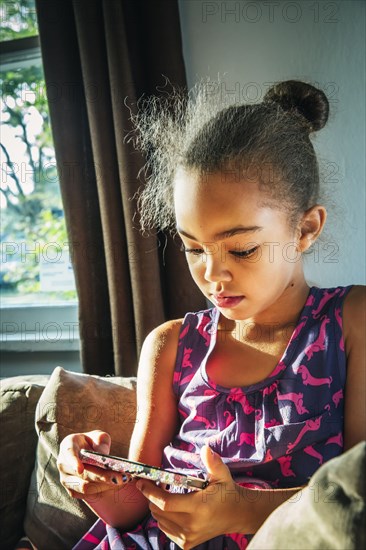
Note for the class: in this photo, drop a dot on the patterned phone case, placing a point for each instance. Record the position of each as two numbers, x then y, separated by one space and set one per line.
138 469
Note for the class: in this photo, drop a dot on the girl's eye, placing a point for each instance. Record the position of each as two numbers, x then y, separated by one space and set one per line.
236 253
244 253
195 251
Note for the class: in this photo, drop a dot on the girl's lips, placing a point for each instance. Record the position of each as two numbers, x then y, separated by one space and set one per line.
228 301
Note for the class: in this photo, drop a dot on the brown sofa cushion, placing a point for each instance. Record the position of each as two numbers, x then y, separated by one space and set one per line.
328 514
18 440
73 403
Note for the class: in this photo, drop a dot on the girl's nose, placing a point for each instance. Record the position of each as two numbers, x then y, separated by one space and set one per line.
215 269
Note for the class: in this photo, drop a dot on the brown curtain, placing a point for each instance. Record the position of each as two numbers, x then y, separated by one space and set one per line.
95 53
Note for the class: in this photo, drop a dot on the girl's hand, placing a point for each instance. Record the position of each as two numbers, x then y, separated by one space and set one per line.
196 517
82 480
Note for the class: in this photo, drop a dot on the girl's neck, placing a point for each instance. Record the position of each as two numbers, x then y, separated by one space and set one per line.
277 322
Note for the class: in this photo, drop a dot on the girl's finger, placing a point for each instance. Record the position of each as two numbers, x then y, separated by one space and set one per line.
89 487
173 531
167 502
99 441
69 461
98 475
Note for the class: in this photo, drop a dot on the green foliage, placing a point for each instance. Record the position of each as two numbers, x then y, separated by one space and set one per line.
24 98
24 274
18 19
33 214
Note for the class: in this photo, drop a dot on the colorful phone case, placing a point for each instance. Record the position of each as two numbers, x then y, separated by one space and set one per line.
138 469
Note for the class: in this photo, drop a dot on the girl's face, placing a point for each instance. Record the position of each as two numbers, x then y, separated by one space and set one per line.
241 252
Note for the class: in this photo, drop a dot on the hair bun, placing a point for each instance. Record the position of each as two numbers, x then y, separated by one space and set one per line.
307 100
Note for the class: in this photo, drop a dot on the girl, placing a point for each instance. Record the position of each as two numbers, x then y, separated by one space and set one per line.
267 385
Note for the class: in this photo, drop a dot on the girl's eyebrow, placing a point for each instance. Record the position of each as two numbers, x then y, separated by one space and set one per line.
227 233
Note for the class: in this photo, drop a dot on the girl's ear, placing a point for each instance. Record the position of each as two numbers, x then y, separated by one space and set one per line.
310 226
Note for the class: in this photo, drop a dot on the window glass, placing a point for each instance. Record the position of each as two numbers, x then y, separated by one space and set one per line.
35 262
18 19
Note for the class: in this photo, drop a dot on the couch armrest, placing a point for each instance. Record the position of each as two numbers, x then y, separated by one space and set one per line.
330 512
18 439
73 403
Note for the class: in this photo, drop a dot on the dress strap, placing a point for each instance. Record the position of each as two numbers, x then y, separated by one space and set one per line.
193 345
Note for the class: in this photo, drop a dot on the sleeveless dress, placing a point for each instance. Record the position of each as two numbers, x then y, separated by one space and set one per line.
275 433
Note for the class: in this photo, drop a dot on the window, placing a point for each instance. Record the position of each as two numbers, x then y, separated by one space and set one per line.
36 277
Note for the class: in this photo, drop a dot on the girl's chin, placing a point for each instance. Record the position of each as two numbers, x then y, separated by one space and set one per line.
233 316
230 308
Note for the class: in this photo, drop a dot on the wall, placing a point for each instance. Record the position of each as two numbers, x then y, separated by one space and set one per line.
16 364
250 44
36 338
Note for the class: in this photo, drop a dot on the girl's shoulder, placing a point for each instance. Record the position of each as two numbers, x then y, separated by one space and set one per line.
354 316
164 336
356 296
354 330
167 334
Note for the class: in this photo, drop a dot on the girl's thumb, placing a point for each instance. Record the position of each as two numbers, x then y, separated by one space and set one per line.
216 469
100 441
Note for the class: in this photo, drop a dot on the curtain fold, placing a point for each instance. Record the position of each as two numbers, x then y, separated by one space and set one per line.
95 54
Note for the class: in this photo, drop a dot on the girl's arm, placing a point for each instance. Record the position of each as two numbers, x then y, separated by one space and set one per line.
223 507
157 409
122 505
155 425
354 330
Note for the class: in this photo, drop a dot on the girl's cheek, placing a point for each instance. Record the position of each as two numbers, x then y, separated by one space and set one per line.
197 270
195 261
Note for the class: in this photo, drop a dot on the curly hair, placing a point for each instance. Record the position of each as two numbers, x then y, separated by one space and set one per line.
194 131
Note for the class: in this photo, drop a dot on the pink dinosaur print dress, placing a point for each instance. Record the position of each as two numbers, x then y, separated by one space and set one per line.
275 433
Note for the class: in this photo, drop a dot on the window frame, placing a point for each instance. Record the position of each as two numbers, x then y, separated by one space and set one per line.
32 327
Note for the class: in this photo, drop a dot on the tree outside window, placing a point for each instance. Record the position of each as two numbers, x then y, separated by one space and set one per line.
34 243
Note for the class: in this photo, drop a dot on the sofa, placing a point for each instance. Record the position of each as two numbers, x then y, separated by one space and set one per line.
38 411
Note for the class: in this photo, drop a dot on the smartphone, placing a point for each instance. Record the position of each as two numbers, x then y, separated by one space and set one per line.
138 469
